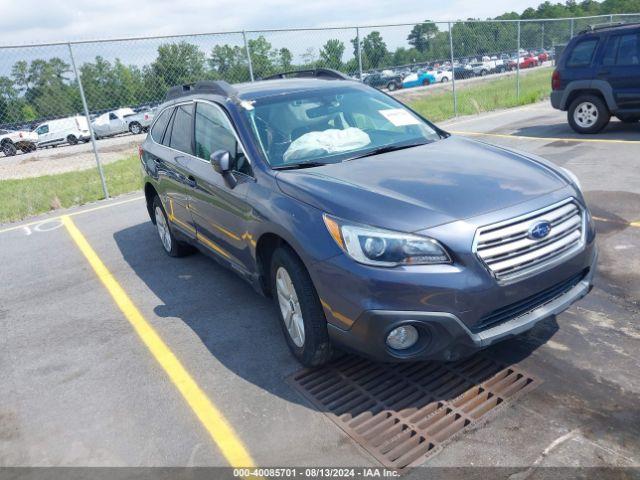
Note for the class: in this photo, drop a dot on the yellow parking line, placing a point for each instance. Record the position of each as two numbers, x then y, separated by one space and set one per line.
71 214
622 222
211 418
552 139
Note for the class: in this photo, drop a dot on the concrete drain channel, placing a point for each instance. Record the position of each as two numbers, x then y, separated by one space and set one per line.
403 413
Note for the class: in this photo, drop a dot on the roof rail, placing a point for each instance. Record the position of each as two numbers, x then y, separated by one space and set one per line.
218 87
603 26
323 73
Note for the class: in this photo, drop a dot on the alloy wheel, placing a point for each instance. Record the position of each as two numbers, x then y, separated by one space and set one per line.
585 114
290 307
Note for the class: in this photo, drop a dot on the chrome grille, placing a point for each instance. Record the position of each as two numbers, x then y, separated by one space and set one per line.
510 254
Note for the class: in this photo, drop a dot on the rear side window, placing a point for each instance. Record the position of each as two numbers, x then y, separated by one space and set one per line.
611 51
161 125
181 132
629 50
582 53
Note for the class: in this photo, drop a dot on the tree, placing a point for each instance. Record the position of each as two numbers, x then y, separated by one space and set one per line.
331 54
374 49
229 63
263 57
179 63
285 57
421 35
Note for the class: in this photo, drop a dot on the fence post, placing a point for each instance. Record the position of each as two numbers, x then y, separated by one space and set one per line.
246 49
359 50
518 66
571 30
453 72
86 114
610 18
542 41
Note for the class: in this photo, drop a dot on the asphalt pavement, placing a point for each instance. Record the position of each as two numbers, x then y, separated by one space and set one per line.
84 381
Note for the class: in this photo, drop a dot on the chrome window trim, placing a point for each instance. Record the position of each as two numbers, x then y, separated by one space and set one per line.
545 265
232 128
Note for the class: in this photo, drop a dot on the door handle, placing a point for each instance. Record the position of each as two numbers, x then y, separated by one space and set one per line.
191 180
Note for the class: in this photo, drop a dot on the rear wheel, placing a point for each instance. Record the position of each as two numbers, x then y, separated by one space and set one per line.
72 139
171 246
444 80
301 314
426 82
588 114
391 86
9 149
135 128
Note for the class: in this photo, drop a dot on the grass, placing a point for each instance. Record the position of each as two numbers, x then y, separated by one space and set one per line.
31 196
486 96
26 197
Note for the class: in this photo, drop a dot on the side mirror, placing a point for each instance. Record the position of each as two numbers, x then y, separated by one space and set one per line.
221 161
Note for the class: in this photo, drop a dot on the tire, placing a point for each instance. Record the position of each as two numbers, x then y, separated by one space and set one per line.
135 128
170 245
426 82
588 114
391 86
32 148
444 80
293 291
483 73
9 149
72 140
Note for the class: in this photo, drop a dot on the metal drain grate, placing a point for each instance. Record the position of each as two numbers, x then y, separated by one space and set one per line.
401 413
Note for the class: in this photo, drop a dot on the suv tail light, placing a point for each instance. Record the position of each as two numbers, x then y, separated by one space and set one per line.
555 80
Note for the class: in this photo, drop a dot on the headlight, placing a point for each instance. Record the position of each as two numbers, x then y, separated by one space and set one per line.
572 176
384 248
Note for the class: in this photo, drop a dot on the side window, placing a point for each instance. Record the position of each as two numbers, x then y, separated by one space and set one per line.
181 133
113 116
42 129
610 51
582 53
214 132
629 51
161 125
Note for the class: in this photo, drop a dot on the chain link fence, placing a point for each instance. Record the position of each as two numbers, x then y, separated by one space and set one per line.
63 95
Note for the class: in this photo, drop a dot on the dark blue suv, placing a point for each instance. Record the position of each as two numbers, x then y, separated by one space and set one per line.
371 228
598 76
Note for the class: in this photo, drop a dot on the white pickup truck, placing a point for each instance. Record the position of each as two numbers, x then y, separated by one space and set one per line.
13 140
489 65
121 121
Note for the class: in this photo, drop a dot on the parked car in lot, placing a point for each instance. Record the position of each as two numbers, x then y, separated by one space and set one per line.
112 123
378 80
417 79
526 61
69 130
462 72
370 227
441 76
13 140
597 76
139 122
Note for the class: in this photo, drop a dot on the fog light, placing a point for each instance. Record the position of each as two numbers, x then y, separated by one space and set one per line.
402 337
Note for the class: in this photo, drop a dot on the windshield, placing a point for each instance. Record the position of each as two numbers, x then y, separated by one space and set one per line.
333 125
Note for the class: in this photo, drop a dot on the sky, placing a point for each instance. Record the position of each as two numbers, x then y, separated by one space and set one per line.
60 21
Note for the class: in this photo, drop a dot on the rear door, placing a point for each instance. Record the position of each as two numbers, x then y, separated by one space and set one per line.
44 134
220 211
620 66
170 134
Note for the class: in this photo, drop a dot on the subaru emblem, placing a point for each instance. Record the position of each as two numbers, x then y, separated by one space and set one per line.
539 230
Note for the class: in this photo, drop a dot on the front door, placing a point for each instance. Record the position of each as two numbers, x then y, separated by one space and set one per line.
219 210
621 67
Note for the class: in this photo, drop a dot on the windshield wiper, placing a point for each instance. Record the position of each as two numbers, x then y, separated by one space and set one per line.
388 148
292 166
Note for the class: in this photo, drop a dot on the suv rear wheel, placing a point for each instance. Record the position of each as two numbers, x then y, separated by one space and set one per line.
301 314
588 114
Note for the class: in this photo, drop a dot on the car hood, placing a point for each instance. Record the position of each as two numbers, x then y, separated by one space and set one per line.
421 187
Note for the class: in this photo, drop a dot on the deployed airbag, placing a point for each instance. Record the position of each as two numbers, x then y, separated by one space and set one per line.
326 142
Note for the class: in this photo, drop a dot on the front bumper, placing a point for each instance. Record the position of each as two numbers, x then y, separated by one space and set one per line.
448 334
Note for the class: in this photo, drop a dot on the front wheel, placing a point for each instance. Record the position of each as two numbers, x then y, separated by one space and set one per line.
391 86
301 314
426 82
588 114
72 139
444 80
